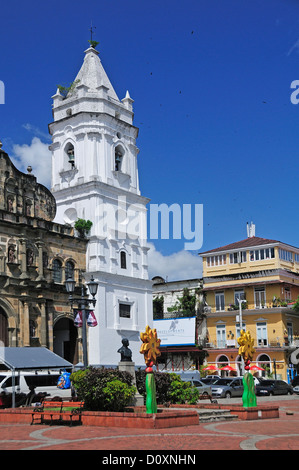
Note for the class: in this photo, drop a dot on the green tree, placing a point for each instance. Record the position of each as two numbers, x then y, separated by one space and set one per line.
185 306
296 305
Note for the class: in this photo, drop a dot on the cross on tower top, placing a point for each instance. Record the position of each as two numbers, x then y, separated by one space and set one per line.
91 41
91 30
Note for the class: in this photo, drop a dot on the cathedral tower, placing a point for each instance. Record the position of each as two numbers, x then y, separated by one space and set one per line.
95 177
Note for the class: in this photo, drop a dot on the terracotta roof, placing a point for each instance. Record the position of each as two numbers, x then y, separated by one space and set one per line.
248 242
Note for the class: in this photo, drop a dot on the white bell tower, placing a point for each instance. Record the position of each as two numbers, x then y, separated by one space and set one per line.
95 177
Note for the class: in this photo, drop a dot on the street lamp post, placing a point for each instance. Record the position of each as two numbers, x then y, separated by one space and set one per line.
82 303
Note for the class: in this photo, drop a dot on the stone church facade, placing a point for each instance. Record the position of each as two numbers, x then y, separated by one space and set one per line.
36 255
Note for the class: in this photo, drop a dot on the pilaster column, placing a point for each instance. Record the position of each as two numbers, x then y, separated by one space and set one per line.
49 316
40 245
43 324
23 260
25 324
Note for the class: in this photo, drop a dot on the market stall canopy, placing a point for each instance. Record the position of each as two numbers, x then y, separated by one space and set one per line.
210 367
31 359
228 368
254 367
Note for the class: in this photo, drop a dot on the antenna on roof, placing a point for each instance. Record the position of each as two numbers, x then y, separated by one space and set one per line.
250 230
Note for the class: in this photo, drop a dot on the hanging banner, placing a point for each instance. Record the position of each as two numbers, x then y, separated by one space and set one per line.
90 318
77 318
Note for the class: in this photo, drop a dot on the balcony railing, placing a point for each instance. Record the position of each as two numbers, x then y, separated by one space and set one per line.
212 308
258 343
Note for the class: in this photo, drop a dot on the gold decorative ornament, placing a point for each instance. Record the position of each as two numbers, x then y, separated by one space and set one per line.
150 346
246 349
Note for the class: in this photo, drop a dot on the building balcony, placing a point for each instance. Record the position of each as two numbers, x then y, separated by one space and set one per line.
280 343
233 310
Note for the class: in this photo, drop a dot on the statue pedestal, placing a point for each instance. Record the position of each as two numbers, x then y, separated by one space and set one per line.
129 366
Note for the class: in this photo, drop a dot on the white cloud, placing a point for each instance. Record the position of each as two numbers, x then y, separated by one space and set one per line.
178 266
38 156
36 131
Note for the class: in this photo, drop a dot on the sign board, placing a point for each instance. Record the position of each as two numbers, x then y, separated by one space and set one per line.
176 331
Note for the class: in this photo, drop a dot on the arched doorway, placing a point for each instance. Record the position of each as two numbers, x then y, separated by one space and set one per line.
264 361
4 341
222 361
65 340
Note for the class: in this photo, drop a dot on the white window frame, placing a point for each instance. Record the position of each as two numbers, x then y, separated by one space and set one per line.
239 294
261 333
220 295
290 331
237 257
259 299
286 255
238 329
262 254
221 335
287 294
217 260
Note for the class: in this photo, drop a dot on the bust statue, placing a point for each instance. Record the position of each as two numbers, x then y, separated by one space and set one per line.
125 351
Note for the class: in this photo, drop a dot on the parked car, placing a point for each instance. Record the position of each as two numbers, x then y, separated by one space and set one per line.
295 381
228 387
193 376
274 387
41 381
257 380
204 389
296 389
209 381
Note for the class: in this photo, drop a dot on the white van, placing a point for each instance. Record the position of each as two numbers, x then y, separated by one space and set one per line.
42 381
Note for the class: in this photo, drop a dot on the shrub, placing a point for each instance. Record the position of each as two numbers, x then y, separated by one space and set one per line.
169 388
162 385
182 392
117 395
90 383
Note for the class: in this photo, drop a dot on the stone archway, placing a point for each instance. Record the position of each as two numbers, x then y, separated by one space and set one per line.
65 340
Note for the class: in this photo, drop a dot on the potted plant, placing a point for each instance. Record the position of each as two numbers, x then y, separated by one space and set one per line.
93 43
83 226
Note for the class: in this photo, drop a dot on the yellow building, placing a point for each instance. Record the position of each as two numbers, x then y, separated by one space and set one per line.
262 275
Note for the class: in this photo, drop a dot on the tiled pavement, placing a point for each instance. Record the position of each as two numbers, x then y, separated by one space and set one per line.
268 434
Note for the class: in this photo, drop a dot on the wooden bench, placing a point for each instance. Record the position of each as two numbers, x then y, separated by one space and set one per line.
50 412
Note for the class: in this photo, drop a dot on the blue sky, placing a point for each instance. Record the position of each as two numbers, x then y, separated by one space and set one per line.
211 87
